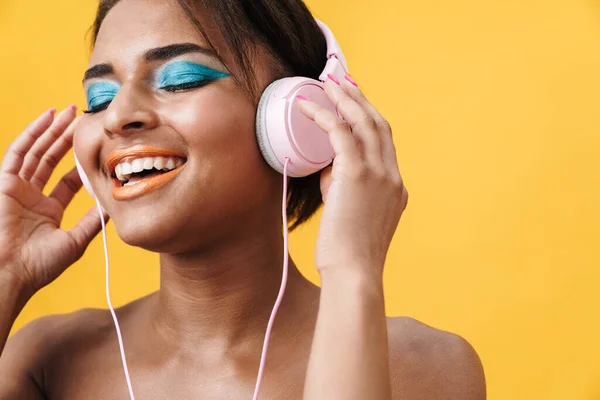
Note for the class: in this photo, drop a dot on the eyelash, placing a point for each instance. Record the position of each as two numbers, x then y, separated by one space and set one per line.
187 85
171 89
97 109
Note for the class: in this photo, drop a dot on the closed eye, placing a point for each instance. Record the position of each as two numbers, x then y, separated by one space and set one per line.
181 75
100 95
187 85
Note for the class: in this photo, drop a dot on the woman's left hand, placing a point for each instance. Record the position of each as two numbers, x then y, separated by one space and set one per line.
363 191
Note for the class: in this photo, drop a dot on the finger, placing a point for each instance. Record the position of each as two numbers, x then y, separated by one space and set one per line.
360 121
340 136
51 159
40 148
15 155
325 182
67 187
87 228
388 148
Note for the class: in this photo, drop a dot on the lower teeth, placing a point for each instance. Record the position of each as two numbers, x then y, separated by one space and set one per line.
133 180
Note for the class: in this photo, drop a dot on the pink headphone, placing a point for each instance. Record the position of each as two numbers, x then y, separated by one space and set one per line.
281 130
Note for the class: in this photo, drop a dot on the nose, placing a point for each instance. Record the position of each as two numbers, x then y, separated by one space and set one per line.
130 111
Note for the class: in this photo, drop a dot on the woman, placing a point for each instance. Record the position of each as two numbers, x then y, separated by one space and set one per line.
216 224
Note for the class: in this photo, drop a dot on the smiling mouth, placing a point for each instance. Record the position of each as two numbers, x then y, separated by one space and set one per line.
129 173
141 170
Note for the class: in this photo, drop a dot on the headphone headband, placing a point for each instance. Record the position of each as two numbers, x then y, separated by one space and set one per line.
336 62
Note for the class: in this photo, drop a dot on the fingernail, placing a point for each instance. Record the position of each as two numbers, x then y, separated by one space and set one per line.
352 81
333 78
302 98
73 107
52 110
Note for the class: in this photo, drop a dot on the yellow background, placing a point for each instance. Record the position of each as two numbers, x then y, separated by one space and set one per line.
496 111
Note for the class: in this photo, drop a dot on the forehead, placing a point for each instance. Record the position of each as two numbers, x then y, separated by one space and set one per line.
133 26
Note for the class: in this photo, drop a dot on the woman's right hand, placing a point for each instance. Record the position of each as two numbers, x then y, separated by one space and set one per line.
33 247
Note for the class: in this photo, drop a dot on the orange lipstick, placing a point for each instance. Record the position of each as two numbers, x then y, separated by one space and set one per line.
146 184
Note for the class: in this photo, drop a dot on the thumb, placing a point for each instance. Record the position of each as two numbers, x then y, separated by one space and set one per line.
325 183
87 228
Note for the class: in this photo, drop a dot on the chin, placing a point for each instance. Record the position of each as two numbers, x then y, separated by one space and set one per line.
159 234
184 221
172 234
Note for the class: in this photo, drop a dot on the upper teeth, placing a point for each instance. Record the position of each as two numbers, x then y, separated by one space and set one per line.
124 169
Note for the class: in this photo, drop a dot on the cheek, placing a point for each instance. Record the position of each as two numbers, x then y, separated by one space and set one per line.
224 155
87 144
217 127
87 141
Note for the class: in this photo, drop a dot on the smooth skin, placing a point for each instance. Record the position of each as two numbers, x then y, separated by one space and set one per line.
200 335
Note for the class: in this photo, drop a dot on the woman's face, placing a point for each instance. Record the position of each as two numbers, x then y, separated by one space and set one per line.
159 98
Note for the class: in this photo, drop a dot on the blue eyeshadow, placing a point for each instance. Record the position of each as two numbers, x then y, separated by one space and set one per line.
185 73
101 93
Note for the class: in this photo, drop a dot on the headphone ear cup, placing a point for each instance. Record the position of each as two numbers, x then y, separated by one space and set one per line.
282 131
261 130
84 179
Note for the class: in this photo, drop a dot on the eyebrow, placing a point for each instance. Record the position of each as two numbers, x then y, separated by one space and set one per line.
175 50
98 71
156 54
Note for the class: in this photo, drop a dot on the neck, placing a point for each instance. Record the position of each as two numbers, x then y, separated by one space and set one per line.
223 298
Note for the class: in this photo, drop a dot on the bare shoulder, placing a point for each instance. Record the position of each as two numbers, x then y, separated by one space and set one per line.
36 341
427 363
71 329
33 348
49 343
